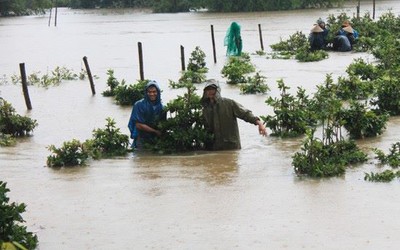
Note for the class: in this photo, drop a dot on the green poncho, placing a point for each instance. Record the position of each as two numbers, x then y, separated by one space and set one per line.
233 40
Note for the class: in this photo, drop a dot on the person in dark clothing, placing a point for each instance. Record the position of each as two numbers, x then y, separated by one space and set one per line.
146 113
220 116
316 38
345 39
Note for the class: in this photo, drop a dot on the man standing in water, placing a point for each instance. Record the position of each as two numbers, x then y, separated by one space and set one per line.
146 113
220 115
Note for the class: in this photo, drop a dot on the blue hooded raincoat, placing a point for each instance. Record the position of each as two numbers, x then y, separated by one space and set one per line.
146 112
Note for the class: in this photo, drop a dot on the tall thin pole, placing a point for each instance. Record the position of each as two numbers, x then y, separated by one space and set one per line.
213 43
55 16
373 10
261 39
25 86
51 10
140 61
89 75
183 58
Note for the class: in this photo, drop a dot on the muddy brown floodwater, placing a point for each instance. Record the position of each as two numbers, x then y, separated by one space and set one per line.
245 199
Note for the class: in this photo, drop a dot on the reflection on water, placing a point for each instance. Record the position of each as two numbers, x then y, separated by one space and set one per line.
212 168
244 199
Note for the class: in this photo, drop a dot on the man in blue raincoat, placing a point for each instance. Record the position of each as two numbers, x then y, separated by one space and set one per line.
146 113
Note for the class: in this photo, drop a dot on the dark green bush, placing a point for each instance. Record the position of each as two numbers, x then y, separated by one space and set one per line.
12 232
71 153
107 142
12 123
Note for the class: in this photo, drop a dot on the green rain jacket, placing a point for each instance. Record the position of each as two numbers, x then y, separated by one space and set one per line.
221 120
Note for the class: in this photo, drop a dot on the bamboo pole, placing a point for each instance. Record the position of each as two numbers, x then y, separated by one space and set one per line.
183 58
89 75
373 10
140 61
25 86
261 39
213 43
51 10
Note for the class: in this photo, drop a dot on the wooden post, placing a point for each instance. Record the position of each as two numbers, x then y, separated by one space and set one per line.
183 58
51 10
89 75
373 10
140 61
358 9
261 39
213 43
25 86
55 16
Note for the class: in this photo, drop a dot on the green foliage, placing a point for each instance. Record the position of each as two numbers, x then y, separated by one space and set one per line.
237 68
196 70
12 232
23 7
305 55
107 142
254 85
392 158
360 122
71 153
291 114
183 130
124 94
7 140
387 94
385 176
325 105
55 77
129 94
12 123
112 83
325 160
360 83
297 46
295 42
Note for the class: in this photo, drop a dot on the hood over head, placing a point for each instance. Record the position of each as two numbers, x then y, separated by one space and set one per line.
152 83
211 84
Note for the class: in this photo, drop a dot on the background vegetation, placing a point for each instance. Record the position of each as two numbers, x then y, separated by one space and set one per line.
27 7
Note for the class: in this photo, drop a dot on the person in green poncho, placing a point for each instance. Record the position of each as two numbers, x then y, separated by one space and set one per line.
220 118
233 40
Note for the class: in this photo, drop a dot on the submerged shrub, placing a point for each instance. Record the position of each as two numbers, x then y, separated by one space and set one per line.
254 85
361 122
13 234
14 124
291 113
237 68
183 130
56 76
71 153
326 160
123 93
107 142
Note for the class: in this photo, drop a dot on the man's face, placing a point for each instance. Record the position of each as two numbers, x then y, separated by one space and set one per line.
210 93
152 93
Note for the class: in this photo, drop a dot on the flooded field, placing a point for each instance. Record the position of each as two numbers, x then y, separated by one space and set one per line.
244 199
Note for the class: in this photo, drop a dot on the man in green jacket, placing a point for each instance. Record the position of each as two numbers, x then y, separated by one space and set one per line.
220 115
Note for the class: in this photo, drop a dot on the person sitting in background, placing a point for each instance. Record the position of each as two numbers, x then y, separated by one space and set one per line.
346 37
316 38
146 113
